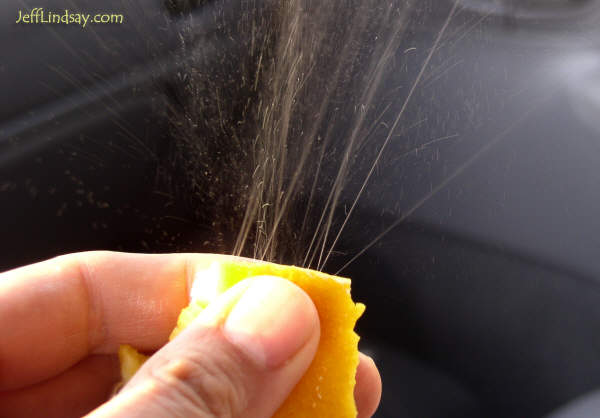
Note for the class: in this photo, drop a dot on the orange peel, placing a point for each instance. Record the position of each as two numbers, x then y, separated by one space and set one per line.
327 387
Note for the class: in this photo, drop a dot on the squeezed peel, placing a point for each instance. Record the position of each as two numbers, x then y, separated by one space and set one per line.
327 387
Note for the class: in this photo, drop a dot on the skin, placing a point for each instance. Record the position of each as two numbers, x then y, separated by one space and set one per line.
62 321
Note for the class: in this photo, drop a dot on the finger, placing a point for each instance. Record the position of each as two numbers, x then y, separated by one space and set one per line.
241 357
367 392
71 394
89 383
54 313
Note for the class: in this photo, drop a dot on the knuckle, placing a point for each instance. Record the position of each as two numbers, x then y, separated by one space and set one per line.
206 388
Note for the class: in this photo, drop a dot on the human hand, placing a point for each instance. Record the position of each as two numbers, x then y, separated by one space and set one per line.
62 321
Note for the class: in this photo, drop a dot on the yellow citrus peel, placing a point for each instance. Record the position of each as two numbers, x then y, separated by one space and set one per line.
327 388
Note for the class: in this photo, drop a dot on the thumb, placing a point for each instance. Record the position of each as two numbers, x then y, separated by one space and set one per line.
240 357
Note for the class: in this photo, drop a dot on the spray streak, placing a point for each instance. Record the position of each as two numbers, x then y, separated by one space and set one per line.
374 79
393 128
441 186
328 136
285 109
305 153
314 99
270 197
371 90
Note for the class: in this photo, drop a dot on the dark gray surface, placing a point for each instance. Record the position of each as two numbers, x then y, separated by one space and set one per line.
484 304
515 101
514 336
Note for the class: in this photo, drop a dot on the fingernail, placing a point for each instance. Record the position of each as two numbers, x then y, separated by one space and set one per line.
271 321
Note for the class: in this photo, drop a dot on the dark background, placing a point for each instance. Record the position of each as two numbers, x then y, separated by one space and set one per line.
483 302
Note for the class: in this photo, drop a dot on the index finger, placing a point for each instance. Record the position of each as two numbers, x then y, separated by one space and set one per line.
55 313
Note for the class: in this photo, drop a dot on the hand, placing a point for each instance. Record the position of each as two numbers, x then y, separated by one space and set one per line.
62 320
